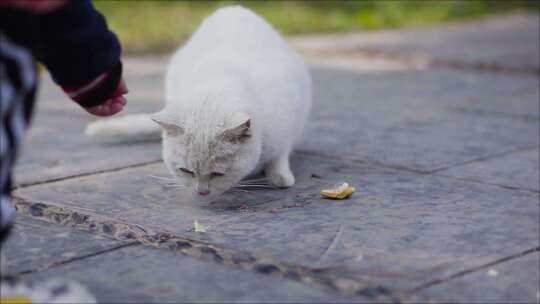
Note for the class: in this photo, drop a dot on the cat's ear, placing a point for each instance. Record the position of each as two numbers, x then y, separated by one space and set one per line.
240 130
167 123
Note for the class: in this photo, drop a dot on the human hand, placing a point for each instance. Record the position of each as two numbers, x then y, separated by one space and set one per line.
114 104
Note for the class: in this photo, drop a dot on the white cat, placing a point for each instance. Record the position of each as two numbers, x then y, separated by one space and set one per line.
237 99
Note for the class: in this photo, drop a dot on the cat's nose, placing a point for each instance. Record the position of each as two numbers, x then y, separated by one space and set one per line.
203 192
202 188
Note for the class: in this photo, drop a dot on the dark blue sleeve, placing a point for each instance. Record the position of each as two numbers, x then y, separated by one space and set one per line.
76 45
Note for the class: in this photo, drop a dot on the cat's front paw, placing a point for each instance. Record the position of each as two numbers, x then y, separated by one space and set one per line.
282 179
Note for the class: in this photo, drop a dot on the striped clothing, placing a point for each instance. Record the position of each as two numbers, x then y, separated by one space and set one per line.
17 90
82 55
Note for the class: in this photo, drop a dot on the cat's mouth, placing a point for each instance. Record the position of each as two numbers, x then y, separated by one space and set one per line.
203 193
206 197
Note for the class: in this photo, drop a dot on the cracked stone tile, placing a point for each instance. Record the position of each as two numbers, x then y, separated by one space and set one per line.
55 146
519 169
34 244
517 281
421 120
410 120
399 228
141 274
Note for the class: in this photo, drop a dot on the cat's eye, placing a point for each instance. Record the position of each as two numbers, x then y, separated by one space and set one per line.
186 171
216 174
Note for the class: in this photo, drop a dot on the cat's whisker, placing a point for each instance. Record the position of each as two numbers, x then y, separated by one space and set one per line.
255 183
168 182
254 186
176 189
173 183
162 178
240 191
176 186
262 179
257 178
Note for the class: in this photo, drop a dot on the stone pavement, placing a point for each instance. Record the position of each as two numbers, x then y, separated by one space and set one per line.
443 151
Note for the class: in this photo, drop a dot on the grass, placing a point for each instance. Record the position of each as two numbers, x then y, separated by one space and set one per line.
154 26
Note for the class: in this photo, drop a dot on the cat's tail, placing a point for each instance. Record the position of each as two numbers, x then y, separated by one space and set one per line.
136 127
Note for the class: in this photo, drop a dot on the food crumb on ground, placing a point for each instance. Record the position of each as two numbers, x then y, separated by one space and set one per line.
492 273
198 227
339 192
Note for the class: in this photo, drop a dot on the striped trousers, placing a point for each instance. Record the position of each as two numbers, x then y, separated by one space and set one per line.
17 92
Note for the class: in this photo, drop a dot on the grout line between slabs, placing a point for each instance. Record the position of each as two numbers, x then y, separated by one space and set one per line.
433 172
327 278
74 259
472 180
483 158
473 270
68 177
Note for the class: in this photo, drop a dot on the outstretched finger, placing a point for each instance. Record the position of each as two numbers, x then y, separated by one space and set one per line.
119 100
121 89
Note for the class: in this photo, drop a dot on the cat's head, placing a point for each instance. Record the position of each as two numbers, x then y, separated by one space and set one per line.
208 156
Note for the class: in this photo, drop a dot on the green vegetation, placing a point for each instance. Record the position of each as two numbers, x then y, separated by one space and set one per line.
149 26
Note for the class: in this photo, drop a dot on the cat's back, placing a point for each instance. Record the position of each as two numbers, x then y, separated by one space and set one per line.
236 28
231 41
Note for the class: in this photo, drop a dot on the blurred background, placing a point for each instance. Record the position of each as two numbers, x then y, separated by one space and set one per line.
157 26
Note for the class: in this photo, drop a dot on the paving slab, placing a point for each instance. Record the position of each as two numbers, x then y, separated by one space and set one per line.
145 275
56 147
450 89
34 245
510 42
116 272
422 120
517 281
521 103
518 170
400 229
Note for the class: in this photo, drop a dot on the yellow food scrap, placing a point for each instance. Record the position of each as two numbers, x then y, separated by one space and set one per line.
198 227
492 273
341 192
17 300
